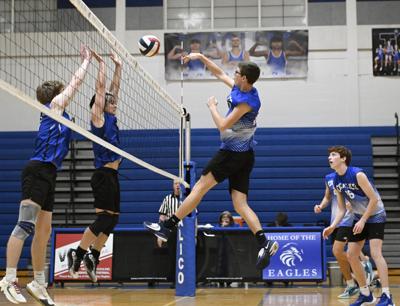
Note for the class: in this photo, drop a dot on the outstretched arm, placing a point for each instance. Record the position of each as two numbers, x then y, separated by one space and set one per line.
100 99
116 81
62 100
215 70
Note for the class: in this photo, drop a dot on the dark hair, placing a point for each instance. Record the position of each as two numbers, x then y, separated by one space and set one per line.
195 41
107 97
227 214
276 38
343 152
281 219
48 90
250 70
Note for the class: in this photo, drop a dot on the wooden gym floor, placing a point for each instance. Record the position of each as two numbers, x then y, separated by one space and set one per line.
134 294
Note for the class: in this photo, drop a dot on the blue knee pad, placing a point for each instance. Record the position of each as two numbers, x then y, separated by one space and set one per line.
28 214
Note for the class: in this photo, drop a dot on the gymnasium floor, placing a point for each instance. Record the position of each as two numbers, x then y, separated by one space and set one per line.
137 295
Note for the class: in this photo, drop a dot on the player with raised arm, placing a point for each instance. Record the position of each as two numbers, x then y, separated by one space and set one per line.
38 187
104 182
235 159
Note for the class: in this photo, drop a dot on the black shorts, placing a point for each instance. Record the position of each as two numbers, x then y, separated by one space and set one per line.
370 231
38 181
236 166
105 186
342 233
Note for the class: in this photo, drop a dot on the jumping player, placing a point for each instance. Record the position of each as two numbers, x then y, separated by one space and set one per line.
234 160
38 187
104 182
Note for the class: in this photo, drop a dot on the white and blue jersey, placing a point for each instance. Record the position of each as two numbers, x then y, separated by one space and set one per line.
347 184
348 217
396 55
380 53
234 58
240 137
110 133
277 63
52 140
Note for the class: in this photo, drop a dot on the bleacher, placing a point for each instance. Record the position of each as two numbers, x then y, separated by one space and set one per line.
288 176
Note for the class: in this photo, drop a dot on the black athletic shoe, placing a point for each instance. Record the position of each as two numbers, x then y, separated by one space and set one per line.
90 263
265 253
158 229
73 263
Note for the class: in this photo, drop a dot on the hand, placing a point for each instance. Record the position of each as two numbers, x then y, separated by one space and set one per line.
97 56
114 57
191 56
327 231
317 209
349 207
159 242
358 227
86 54
212 102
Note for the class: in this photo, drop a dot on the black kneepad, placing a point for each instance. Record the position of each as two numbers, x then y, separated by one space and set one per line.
102 223
114 223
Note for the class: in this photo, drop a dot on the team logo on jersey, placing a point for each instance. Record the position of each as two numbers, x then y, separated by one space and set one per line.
291 254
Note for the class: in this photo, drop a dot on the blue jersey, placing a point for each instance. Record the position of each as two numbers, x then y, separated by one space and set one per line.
396 54
352 192
380 53
240 137
234 58
110 133
277 63
52 140
348 217
196 65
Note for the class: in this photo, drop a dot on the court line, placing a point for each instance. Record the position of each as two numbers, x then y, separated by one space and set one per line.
182 298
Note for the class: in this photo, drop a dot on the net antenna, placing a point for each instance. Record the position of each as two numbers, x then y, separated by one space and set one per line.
33 52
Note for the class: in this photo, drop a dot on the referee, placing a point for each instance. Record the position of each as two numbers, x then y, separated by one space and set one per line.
168 207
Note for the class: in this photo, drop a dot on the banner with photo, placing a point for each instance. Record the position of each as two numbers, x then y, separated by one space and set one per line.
385 52
280 54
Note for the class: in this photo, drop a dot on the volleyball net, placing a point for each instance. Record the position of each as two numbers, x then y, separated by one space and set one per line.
42 42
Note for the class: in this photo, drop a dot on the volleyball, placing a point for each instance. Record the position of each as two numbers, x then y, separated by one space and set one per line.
149 45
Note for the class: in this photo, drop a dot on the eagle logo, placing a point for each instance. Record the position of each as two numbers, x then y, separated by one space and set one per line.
290 254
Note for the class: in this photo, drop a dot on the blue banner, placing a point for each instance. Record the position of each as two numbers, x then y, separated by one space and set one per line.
300 257
186 247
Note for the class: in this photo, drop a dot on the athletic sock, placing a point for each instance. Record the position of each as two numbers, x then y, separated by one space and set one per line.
171 222
80 253
11 274
365 290
386 290
261 239
350 283
96 254
38 276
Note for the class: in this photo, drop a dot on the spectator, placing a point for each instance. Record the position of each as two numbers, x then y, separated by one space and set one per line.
281 219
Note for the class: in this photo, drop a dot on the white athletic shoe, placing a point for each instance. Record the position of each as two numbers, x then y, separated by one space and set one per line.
12 291
39 292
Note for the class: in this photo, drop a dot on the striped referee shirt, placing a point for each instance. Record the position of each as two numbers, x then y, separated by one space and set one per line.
169 205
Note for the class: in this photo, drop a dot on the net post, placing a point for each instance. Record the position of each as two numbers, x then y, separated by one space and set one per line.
186 242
